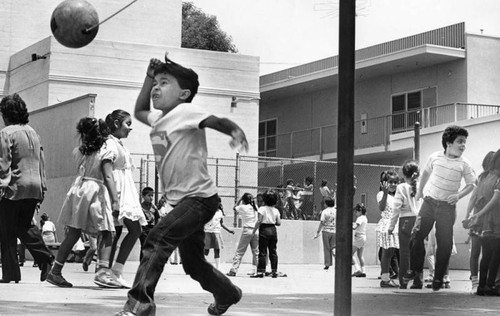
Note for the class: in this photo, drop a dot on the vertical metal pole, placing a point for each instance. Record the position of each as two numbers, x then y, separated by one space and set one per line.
236 186
345 151
416 150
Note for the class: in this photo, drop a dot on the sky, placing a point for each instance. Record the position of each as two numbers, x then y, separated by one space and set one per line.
287 33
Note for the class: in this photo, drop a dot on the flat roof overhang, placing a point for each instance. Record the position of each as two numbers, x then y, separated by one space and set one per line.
392 63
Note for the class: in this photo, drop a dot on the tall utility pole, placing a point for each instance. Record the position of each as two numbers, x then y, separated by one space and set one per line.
345 150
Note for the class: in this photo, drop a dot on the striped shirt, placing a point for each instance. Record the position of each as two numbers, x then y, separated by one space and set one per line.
446 175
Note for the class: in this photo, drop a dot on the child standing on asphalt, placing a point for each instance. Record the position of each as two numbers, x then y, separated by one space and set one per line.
388 241
487 219
268 219
248 213
213 237
327 227
405 211
150 213
474 232
180 147
359 241
440 187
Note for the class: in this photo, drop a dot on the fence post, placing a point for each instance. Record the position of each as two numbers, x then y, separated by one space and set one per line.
217 172
140 174
315 173
236 186
282 172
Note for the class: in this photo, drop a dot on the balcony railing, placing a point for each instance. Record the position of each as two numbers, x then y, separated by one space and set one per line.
376 131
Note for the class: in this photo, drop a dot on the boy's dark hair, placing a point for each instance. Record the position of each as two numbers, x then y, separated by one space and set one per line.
451 133
289 181
186 77
308 180
270 198
330 202
93 133
361 208
147 190
14 109
324 182
116 115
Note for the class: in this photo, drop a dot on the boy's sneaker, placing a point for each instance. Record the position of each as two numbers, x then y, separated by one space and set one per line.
257 275
437 285
231 273
389 283
106 278
429 278
119 278
219 309
409 275
58 280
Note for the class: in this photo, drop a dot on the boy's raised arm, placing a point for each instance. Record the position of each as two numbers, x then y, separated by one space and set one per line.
227 127
142 105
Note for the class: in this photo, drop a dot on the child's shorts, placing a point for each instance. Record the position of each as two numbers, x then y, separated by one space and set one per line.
359 241
213 241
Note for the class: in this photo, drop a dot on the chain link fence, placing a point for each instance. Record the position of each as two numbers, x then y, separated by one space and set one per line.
234 177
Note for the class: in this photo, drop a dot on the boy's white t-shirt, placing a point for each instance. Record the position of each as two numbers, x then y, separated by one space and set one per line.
180 149
215 224
269 214
446 175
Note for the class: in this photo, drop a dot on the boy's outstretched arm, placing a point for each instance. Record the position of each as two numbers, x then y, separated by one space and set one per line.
227 127
142 105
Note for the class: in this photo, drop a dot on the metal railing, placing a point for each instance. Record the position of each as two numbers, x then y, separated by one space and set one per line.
376 131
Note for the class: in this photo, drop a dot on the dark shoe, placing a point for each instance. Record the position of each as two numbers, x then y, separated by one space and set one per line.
356 274
437 285
231 273
267 273
326 268
85 266
362 275
257 275
35 265
58 280
219 309
274 275
389 283
409 275
21 264
8 281
44 270
447 285
483 291
403 286
416 286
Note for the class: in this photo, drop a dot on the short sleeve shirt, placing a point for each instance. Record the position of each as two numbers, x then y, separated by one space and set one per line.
214 225
328 218
248 215
180 149
269 214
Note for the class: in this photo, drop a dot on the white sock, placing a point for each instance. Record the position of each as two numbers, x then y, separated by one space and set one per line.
362 269
217 263
117 268
385 277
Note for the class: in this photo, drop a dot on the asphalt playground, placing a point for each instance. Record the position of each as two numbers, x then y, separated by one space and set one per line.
307 290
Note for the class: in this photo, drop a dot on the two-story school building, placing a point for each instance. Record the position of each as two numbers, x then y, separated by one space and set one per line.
438 78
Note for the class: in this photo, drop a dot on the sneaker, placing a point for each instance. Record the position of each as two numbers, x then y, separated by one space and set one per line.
267 273
326 268
85 266
362 275
119 278
429 278
257 275
219 309
389 283
231 273
403 286
356 274
437 285
124 313
58 280
447 285
416 286
409 275
105 278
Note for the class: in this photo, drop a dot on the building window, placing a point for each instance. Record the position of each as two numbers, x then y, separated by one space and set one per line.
267 138
406 108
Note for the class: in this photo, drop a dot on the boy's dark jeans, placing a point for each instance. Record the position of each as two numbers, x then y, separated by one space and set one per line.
443 214
183 228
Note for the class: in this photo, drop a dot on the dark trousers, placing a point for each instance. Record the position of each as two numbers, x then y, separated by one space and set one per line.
143 236
443 215
183 228
268 239
15 222
490 261
405 227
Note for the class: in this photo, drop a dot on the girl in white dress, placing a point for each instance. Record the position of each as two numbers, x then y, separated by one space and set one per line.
131 214
389 242
89 203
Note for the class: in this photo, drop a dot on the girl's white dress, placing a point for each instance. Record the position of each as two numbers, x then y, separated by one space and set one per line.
384 239
87 205
130 206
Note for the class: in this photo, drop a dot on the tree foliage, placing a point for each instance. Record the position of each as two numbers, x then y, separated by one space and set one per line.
202 31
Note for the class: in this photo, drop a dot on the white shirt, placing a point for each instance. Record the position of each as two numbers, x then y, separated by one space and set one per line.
248 215
180 149
269 214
